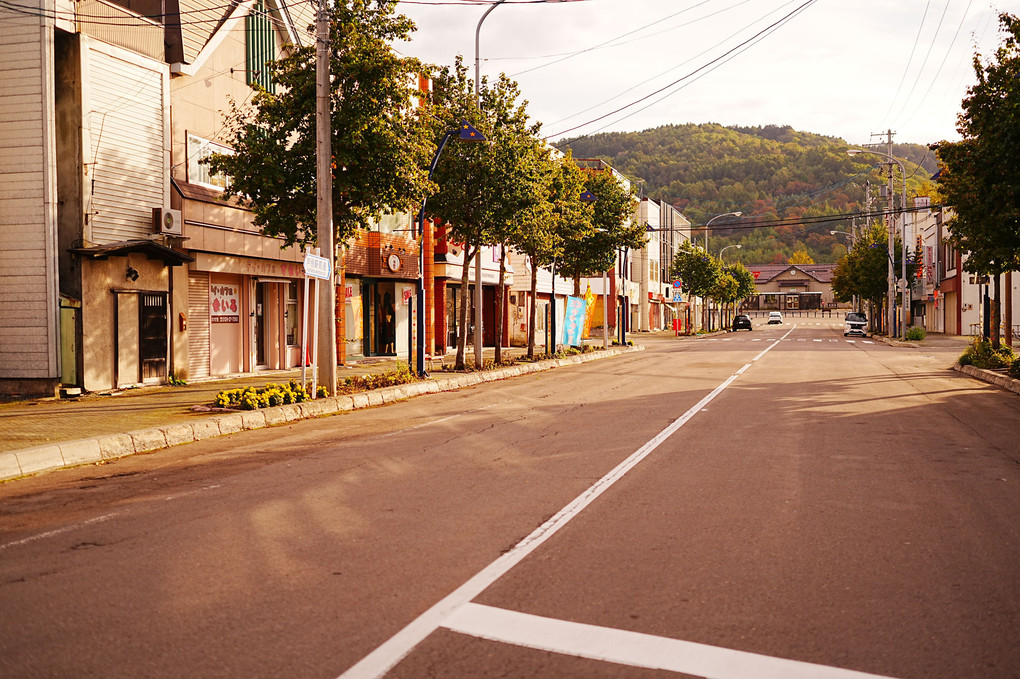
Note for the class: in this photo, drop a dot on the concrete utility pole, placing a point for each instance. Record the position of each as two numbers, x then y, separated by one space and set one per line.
324 202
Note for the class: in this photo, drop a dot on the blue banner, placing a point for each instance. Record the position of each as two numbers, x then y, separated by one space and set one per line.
573 322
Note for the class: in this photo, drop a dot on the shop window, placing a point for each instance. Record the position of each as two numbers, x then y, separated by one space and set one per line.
291 314
198 172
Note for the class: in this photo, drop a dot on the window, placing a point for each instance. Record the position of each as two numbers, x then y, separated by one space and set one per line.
198 172
261 47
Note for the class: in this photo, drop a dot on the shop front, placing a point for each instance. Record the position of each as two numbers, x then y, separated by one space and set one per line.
244 315
380 278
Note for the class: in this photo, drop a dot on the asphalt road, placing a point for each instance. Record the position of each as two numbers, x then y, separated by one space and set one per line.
780 503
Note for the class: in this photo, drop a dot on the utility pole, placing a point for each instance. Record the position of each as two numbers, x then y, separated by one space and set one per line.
324 202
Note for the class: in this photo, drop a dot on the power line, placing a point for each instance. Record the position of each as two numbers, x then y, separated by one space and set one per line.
718 61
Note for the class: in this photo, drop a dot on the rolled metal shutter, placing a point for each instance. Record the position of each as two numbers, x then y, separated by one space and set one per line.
198 324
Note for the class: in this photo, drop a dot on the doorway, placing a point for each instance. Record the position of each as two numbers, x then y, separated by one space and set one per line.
261 358
152 324
380 318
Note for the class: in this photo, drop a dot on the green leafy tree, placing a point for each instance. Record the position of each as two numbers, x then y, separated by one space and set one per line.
590 252
980 175
482 188
380 143
863 272
697 269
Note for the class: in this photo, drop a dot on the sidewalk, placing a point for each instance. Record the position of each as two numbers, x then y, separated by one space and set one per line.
48 433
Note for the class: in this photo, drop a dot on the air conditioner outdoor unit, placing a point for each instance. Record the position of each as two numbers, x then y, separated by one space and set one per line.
167 221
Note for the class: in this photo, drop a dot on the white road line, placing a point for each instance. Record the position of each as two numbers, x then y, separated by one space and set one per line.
867 342
817 340
58 531
632 648
392 651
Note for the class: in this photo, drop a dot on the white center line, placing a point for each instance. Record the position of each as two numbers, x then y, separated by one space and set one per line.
396 648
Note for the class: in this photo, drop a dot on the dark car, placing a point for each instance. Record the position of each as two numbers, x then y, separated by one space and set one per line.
741 322
856 324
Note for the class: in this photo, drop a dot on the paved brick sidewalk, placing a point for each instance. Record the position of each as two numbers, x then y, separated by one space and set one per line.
41 434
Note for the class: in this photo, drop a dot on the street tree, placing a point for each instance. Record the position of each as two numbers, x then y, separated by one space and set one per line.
863 271
380 142
744 282
482 188
980 174
588 253
696 269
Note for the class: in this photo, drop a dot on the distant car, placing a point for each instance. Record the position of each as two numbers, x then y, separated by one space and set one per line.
855 324
775 317
741 322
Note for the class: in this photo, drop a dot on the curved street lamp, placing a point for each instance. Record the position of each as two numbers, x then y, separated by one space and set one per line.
465 132
903 231
725 214
727 248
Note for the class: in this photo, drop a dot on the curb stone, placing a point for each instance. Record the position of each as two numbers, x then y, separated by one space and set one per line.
990 376
19 463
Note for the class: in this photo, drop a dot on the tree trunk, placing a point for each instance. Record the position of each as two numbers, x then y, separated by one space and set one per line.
1007 298
533 312
996 312
464 299
500 291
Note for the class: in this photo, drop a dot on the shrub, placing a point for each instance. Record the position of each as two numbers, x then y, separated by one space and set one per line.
251 398
916 333
1014 369
981 354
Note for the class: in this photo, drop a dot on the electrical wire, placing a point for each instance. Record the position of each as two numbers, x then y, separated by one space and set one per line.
711 65
671 69
941 65
924 62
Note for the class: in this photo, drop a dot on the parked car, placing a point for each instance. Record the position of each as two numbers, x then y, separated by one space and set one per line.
741 322
775 317
855 323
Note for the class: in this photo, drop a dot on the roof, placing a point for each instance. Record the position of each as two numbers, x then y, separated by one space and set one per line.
767 272
150 248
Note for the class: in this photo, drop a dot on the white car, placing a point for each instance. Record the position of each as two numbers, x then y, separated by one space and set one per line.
775 317
855 324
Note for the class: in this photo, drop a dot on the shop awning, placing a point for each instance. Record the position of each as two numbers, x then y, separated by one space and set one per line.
151 249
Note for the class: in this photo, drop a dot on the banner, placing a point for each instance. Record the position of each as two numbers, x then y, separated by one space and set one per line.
589 311
573 321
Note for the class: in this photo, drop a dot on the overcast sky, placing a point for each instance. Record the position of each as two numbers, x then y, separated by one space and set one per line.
845 68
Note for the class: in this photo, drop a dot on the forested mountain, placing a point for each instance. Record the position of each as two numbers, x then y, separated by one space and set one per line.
795 180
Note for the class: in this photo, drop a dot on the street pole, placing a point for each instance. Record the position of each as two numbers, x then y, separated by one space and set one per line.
326 336
479 362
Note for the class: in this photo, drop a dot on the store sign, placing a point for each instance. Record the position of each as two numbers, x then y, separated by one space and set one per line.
224 306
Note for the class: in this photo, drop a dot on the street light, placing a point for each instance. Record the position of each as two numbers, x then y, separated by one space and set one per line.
465 132
727 248
725 214
478 257
903 229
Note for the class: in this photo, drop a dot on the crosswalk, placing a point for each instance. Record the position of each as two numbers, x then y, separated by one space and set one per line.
784 339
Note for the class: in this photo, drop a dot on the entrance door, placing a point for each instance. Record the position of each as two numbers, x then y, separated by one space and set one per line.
152 325
261 360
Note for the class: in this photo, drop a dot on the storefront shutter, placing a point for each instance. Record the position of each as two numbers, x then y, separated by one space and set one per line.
198 324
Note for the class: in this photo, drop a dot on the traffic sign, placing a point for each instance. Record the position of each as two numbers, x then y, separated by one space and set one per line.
317 267
678 284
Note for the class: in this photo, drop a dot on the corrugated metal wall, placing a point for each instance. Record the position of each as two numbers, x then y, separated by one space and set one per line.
198 325
124 116
28 279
